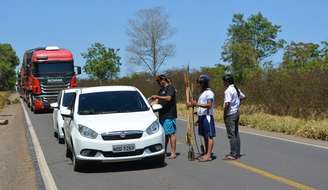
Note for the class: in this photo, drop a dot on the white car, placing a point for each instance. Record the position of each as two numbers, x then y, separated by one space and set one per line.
112 124
63 101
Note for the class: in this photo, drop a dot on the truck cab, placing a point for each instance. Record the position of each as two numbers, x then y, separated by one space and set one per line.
45 72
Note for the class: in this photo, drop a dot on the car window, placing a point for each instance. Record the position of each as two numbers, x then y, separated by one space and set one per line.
67 99
111 102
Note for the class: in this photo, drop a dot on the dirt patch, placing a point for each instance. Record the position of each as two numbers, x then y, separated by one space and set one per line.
16 166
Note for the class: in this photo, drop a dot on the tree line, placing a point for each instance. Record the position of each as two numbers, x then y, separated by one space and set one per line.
296 86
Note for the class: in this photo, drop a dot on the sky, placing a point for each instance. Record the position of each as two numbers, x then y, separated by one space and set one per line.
201 25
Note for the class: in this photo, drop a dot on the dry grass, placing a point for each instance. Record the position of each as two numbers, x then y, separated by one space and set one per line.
4 95
254 117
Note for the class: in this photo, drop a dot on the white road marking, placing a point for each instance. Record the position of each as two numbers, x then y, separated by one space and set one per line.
48 180
276 138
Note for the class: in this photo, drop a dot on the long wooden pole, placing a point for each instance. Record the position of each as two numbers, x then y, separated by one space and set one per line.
189 135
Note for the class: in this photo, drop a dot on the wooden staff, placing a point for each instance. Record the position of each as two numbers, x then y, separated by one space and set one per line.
189 135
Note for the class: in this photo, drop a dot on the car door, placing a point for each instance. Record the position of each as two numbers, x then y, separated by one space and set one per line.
69 122
60 119
55 113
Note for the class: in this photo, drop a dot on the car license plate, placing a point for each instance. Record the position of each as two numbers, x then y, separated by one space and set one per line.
124 148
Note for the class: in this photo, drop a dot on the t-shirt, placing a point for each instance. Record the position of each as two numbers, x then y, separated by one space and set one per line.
231 96
205 96
169 110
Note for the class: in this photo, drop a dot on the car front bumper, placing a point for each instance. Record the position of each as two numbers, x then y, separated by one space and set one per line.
101 150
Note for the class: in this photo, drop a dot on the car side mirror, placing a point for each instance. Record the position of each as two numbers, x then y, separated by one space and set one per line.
78 70
156 107
66 113
54 105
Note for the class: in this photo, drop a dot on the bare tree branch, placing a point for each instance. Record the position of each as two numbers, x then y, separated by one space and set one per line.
148 35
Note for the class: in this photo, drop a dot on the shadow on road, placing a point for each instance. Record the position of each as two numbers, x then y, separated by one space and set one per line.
98 167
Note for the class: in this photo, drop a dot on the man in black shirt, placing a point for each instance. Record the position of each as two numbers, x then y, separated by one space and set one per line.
168 114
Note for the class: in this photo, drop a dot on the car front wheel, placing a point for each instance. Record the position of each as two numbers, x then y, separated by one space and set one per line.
77 164
159 160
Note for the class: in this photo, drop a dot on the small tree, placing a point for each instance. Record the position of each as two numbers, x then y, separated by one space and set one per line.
101 63
298 55
8 63
250 42
149 33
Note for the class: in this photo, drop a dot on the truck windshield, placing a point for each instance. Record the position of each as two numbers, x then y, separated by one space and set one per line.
111 102
53 67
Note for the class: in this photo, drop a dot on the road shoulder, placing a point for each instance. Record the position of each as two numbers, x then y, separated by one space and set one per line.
280 136
277 136
17 169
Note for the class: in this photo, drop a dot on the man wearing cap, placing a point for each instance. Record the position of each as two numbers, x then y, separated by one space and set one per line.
205 112
232 99
168 114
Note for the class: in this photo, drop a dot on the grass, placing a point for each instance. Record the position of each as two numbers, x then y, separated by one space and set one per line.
254 117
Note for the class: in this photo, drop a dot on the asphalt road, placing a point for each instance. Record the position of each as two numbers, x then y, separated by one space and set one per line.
267 164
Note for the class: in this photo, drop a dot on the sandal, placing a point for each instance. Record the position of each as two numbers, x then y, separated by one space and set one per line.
229 157
173 156
202 159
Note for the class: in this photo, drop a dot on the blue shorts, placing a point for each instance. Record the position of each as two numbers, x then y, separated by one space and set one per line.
206 126
169 126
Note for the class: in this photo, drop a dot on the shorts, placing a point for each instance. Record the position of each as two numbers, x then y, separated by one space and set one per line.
169 126
206 126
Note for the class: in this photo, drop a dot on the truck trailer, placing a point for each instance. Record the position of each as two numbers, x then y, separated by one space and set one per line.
44 72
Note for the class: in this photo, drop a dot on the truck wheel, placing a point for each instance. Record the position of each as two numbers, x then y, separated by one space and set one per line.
28 100
31 103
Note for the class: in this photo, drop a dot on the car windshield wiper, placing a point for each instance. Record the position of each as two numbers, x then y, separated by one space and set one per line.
108 112
87 112
132 110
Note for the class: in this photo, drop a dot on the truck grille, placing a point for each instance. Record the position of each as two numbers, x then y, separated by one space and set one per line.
122 135
51 92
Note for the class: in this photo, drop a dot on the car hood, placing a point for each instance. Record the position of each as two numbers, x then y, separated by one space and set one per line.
118 121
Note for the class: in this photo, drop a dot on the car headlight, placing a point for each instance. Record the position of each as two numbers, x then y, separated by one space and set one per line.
153 128
87 132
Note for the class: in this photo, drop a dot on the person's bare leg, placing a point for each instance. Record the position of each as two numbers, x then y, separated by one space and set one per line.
173 142
210 143
208 155
206 144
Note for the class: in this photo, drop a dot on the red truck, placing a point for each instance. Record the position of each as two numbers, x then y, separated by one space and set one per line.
44 72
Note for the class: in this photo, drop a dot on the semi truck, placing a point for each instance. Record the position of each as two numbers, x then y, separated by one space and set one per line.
44 72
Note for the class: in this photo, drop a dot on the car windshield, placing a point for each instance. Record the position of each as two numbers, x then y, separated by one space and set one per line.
111 102
68 98
53 67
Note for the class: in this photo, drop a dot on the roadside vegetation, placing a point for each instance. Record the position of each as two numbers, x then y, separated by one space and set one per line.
289 97
4 95
313 129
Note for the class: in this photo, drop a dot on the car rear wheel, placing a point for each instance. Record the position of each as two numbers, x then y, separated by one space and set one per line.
61 140
68 152
55 134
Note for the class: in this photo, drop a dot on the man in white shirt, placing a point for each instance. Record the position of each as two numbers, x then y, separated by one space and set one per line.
232 99
206 123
